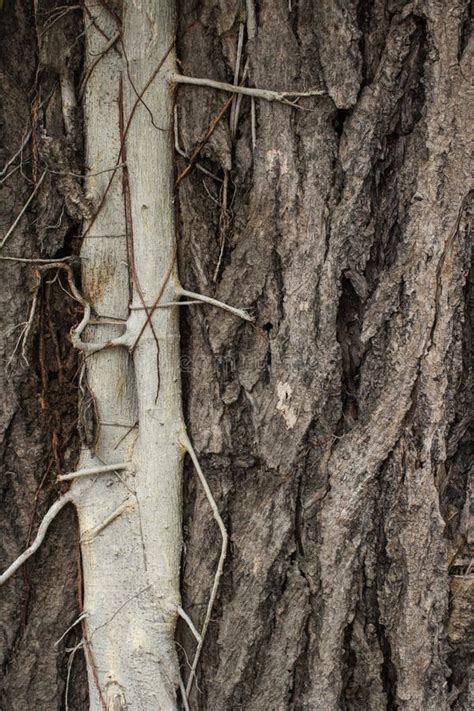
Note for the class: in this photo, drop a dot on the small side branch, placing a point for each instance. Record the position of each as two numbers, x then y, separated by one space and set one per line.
168 304
42 530
214 302
183 694
220 566
19 152
25 329
82 616
184 616
29 324
70 661
92 533
283 97
90 471
23 209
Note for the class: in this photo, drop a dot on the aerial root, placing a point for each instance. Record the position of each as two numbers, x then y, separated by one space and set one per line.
75 334
91 347
48 518
220 566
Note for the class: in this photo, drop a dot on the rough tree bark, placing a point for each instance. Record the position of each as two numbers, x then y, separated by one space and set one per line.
334 431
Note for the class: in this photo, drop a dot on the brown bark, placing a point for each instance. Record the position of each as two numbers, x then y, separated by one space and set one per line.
38 399
334 433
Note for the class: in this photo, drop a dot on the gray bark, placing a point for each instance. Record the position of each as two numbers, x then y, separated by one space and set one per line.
130 523
334 434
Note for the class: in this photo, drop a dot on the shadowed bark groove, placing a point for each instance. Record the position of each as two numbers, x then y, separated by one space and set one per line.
339 581
39 397
334 433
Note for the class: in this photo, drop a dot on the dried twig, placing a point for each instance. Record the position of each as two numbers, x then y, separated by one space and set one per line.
183 153
76 622
70 661
253 123
91 471
184 616
280 96
220 566
183 694
34 260
25 331
88 175
223 223
211 128
29 323
234 112
214 302
56 15
15 156
23 209
251 19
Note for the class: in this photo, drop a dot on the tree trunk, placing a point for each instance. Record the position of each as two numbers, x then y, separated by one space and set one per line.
333 432
130 522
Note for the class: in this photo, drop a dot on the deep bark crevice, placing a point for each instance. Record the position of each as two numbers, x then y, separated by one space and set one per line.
335 433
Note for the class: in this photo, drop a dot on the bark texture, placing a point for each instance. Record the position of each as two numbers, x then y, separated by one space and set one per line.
334 433
335 430
38 399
